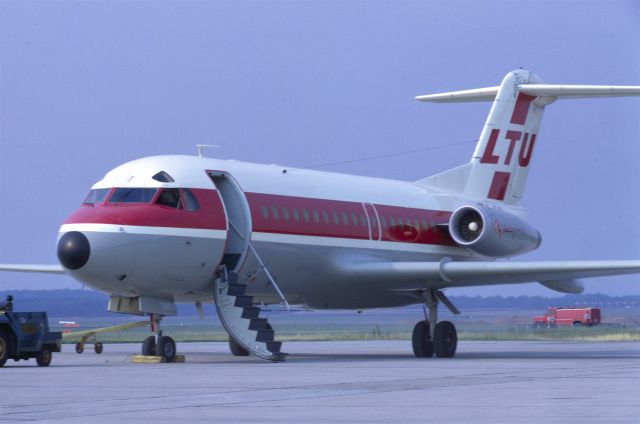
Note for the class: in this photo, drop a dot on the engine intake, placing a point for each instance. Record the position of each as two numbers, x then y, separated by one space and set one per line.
490 231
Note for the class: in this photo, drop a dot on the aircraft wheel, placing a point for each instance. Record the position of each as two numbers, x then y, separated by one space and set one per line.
445 340
166 348
44 357
98 347
149 346
420 340
236 349
79 347
5 347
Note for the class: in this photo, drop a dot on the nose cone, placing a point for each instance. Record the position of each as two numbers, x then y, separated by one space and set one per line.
73 250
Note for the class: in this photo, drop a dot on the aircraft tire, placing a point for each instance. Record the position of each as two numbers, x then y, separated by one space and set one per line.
236 349
445 339
97 347
44 356
149 346
166 348
420 340
79 348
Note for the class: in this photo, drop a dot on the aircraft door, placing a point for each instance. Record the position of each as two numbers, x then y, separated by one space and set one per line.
238 218
374 221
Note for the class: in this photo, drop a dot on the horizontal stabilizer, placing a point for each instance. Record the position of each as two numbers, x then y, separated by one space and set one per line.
473 95
579 91
42 269
538 90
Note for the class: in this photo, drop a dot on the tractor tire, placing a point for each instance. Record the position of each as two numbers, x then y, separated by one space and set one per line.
44 356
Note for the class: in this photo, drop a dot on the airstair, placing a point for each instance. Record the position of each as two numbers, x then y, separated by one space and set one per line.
241 265
240 315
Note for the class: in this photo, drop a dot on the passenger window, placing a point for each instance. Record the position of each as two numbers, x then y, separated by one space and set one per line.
274 213
325 217
316 217
190 201
132 195
400 222
354 219
392 222
334 215
285 214
383 221
96 196
265 212
345 218
416 223
169 197
425 226
363 220
305 215
296 215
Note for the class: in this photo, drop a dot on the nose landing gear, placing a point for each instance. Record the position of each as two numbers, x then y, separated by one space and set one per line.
159 345
431 336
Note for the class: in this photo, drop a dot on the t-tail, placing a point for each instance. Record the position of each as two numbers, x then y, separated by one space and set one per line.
500 163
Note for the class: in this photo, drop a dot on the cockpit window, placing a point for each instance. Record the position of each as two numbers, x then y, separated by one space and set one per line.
163 177
190 201
132 195
96 196
169 197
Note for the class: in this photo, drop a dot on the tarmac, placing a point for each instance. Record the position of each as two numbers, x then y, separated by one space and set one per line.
334 382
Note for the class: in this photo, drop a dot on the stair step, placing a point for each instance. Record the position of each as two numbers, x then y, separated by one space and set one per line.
236 289
243 301
274 347
259 324
250 312
265 336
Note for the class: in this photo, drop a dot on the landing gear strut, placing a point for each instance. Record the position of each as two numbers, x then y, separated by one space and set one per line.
159 345
431 336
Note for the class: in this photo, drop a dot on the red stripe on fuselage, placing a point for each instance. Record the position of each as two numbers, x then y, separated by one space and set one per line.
279 214
342 219
210 214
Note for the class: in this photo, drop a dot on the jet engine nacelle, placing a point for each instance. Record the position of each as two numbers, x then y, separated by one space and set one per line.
490 231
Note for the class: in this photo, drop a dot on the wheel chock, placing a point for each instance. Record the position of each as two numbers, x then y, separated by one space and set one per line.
143 359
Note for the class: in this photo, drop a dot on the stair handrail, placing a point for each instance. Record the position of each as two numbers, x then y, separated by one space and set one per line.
263 267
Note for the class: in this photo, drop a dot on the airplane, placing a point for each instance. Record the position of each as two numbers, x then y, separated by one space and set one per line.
167 229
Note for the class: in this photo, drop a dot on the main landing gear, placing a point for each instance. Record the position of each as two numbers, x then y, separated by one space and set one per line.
431 336
159 345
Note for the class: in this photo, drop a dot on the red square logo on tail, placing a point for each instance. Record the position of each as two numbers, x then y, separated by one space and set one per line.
521 109
499 185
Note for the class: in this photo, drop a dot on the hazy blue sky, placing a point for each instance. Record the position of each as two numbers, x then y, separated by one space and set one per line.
85 86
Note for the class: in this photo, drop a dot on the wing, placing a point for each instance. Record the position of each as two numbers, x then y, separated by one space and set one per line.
557 275
43 269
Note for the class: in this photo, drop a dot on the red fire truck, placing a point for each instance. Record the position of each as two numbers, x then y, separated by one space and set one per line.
569 316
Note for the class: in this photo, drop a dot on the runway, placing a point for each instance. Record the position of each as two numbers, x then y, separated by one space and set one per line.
327 382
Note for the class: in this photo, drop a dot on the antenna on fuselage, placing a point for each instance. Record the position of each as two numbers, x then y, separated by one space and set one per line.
201 147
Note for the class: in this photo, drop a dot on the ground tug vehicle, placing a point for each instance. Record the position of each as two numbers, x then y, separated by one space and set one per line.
25 335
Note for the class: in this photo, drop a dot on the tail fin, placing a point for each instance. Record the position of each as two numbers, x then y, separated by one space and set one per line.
500 163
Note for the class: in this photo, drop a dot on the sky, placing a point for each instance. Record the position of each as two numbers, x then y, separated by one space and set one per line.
86 86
